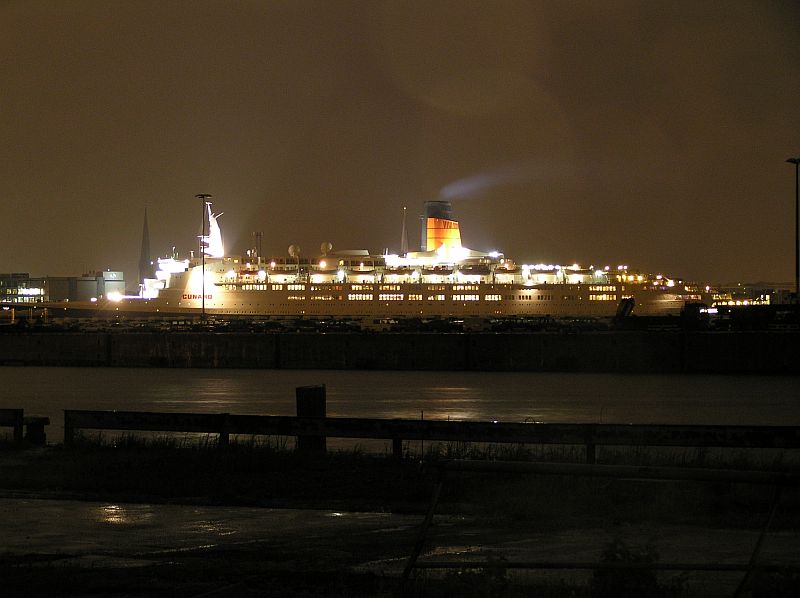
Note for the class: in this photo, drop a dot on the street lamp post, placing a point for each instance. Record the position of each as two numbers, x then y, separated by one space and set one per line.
204 197
796 162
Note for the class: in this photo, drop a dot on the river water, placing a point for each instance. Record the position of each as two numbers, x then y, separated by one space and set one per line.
480 396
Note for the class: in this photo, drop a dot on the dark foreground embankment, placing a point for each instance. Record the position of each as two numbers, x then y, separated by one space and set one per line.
173 520
624 352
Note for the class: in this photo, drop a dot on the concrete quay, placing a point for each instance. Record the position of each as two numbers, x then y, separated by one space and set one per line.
662 352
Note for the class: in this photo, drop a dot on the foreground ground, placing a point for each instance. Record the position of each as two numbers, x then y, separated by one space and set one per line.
136 520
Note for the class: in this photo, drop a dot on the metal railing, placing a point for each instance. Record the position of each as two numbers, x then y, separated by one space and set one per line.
398 430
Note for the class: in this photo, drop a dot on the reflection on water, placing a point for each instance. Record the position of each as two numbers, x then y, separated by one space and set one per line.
114 514
485 396
213 527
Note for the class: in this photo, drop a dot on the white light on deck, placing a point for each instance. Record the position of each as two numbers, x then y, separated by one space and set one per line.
114 296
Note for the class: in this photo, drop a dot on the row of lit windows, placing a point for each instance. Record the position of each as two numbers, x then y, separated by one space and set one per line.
602 287
465 287
389 287
254 287
296 287
419 297
603 297
361 287
336 287
399 297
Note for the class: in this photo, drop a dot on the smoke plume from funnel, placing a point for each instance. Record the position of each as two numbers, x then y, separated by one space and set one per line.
474 186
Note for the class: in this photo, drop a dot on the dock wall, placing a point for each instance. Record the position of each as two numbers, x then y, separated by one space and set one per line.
623 352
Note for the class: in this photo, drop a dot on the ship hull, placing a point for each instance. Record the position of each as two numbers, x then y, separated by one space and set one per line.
360 301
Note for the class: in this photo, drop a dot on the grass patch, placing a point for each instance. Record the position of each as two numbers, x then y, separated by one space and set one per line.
268 472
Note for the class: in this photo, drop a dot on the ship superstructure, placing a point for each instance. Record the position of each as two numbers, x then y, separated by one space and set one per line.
443 279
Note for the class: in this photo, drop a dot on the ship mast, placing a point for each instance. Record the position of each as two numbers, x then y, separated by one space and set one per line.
204 197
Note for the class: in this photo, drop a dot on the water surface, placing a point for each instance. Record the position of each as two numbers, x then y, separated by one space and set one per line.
484 396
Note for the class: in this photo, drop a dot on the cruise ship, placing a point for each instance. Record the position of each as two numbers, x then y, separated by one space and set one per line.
444 279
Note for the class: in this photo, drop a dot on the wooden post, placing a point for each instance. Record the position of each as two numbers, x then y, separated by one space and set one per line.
34 430
311 403
224 434
69 432
18 427
591 454
397 449
591 450
13 418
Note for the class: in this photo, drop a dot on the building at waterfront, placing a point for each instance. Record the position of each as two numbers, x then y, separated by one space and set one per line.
21 287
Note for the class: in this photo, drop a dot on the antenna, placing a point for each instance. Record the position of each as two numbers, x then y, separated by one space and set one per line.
257 235
404 236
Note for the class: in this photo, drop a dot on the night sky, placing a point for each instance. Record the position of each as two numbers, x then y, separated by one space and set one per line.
652 134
